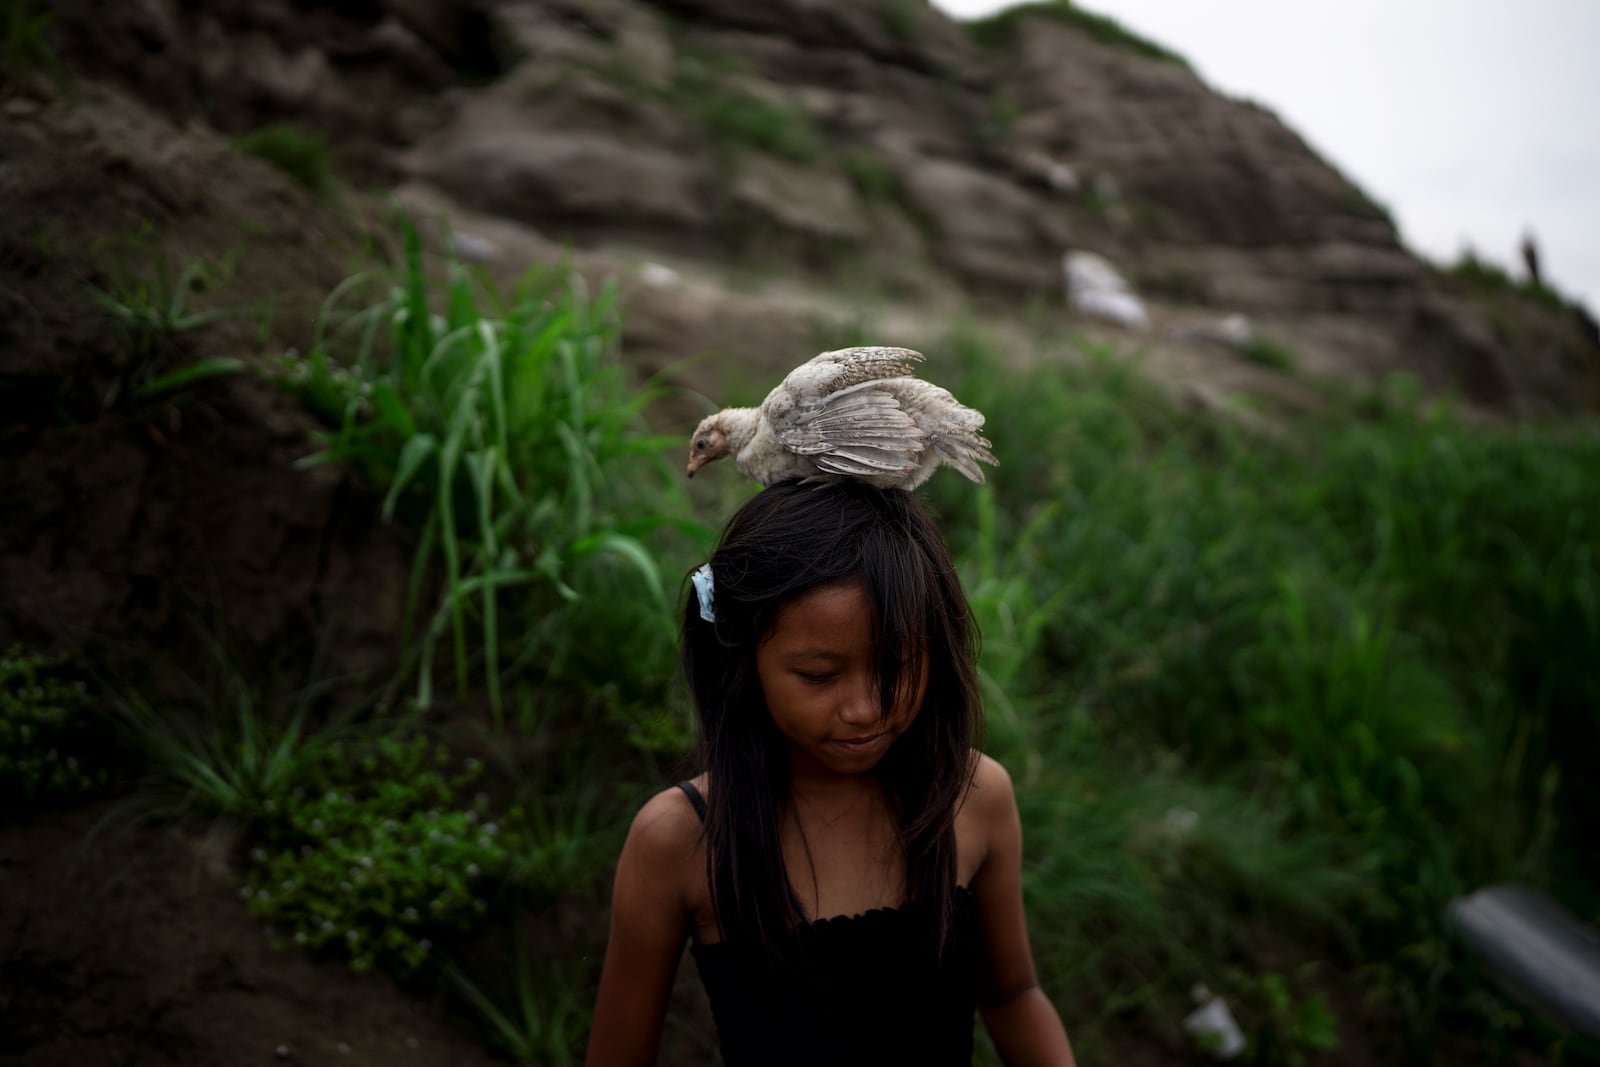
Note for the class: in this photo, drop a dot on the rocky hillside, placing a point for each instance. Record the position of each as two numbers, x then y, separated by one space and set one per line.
787 156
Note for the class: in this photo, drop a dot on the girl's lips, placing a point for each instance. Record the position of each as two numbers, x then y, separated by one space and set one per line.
862 744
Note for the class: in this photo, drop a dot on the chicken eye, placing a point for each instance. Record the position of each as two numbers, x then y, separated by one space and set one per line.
700 443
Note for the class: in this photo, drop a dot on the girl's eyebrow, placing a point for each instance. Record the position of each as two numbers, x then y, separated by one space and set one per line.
813 653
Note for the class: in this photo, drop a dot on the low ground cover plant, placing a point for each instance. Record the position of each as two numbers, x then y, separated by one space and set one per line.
52 748
377 850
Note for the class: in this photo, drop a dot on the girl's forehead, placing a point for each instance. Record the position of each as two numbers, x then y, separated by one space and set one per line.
838 605
837 616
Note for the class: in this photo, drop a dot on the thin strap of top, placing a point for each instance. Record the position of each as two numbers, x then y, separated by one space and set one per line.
695 798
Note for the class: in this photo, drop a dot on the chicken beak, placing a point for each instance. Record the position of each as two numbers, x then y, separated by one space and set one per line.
694 465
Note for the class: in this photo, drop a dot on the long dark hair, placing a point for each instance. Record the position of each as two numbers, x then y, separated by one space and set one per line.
787 540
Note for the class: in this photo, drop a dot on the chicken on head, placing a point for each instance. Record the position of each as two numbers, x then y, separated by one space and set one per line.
854 413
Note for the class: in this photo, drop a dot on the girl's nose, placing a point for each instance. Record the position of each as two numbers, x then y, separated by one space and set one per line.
860 707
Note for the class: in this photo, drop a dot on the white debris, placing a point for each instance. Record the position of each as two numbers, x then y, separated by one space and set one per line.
1214 1027
472 249
1235 330
657 276
1180 822
1059 176
1095 288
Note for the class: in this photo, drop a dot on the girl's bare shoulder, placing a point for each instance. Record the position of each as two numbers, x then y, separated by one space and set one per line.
666 831
990 796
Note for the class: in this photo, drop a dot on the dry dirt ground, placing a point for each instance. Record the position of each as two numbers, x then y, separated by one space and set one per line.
131 949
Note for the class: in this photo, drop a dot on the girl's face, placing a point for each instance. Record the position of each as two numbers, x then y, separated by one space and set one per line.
819 675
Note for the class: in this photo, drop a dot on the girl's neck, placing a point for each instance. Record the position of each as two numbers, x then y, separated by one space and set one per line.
833 792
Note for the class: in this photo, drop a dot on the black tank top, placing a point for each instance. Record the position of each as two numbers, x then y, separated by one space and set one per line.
866 989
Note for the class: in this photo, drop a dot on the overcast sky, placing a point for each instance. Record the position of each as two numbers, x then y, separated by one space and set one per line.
1470 119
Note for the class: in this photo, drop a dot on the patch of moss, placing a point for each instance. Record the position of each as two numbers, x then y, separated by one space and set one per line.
1265 352
871 174
738 118
1001 30
301 154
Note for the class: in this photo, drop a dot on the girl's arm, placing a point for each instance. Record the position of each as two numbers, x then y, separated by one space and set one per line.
649 924
1020 1019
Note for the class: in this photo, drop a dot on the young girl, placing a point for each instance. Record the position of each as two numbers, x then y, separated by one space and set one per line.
848 865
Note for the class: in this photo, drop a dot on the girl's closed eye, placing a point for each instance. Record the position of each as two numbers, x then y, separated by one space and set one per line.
815 679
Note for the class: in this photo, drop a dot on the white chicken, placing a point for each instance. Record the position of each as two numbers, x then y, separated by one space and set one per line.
855 413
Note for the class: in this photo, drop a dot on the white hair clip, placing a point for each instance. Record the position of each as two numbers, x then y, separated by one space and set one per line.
703 588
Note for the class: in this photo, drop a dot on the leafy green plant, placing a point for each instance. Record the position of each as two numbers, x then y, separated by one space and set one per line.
301 154
1293 1030
235 756
515 445
376 850
545 1020
51 743
150 309
1001 30
1266 352
24 41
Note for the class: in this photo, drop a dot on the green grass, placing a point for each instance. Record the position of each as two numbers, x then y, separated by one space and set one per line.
301 154
152 305
1001 30
1486 279
507 434
1368 648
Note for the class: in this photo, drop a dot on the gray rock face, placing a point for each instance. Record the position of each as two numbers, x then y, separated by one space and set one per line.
881 141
